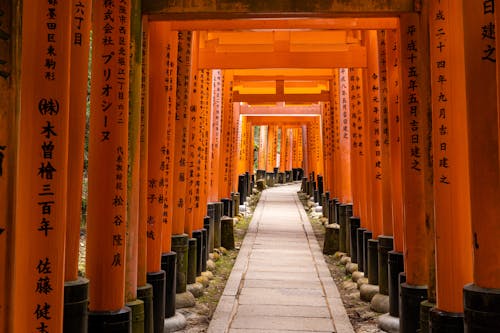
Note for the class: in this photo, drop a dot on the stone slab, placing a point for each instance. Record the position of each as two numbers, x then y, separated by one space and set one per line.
282 323
284 311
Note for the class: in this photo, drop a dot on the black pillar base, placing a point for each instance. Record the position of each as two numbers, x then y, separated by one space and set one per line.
192 260
180 245
169 265
367 235
359 248
481 309
348 214
205 250
76 299
373 261
395 266
354 223
157 280
425 313
198 235
208 224
441 321
110 322
342 223
409 307
385 244
145 294
137 308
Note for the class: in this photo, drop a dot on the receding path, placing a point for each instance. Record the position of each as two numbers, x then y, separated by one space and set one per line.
280 282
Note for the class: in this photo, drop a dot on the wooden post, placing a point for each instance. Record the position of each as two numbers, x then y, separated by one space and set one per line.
418 221
335 109
10 45
356 105
226 136
107 203
452 212
215 136
481 59
327 118
374 145
272 135
344 137
393 49
263 146
39 231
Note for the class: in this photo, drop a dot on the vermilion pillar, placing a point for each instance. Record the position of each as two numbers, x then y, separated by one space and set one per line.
233 175
335 106
272 145
481 59
418 225
263 146
327 119
226 136
9 113
373 121
344 137
107 203
356 110
215 135
40 208
452 212
244 137
283 152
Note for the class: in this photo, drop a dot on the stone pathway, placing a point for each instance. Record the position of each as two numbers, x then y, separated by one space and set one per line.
280 281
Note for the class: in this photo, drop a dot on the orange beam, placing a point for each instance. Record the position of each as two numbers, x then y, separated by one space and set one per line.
246 109
353 56
275 98
298 23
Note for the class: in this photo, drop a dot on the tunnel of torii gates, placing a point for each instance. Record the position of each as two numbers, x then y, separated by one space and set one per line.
395 106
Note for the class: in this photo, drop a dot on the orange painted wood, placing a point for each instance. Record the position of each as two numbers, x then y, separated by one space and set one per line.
40 209
385 136
283 152
483 132
233 174
170 107
344 137
263 148
107 205
243 138
326 118
80 30
9 112
215 135
393 49
272 145
335 105
194 123
363 144
226 137
143 181
413 162
181 131
157 139
355 104
374 139
451 169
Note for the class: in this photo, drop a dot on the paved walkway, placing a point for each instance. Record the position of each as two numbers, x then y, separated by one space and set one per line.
280 282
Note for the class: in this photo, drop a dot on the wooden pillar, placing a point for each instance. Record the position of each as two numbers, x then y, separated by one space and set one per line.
385 136
233 174
356 104
243 138
481 59
80 30
327 131
40 212
344 137
226 136
452 212
215 136
282 152
194 123
272 143
107 205
393 47
143 181
374 112
134 155
263 147
181 131
10 45
289 149
417 180
305 151
335 105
